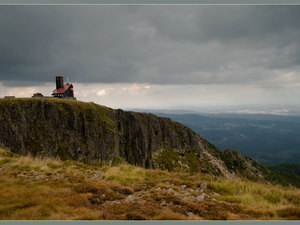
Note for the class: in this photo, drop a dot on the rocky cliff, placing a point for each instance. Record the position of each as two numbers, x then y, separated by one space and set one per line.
93 133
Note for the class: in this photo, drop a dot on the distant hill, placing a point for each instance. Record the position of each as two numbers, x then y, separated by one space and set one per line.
270 139
286 168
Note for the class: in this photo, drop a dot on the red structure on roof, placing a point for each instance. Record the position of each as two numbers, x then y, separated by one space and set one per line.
63 90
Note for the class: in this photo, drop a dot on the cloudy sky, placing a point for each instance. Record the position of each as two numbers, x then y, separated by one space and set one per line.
154 56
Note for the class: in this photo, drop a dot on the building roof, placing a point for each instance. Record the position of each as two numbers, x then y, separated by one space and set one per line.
62 90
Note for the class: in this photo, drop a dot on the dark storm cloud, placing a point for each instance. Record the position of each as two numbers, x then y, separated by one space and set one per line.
27 43
154 44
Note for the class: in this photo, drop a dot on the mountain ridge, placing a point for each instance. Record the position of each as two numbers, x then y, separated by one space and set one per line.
93 133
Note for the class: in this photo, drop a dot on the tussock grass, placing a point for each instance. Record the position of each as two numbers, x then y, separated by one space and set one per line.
51 189
132 174
258 195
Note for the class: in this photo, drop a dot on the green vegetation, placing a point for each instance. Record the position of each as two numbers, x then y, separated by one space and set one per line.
184 161
290 168
67 190
174 160
287 174
286 179
92 111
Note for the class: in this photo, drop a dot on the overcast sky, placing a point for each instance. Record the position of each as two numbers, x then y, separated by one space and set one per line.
154 56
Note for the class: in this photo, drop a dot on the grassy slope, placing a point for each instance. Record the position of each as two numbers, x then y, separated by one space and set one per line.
32 188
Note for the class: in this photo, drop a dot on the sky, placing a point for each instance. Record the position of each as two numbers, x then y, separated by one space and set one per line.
178 57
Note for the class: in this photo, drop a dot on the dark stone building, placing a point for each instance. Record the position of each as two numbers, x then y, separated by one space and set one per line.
63 90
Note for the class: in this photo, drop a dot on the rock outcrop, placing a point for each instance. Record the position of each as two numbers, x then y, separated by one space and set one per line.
92 133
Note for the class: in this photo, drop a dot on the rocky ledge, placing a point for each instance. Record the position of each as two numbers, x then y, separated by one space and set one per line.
74 130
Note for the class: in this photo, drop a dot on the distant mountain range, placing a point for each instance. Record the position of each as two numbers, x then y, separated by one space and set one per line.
270 139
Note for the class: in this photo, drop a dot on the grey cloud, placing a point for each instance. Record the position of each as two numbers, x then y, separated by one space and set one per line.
148 44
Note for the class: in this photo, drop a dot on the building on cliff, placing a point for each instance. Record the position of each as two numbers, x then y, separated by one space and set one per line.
63 90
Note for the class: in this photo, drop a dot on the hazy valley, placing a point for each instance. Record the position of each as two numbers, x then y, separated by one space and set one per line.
270 139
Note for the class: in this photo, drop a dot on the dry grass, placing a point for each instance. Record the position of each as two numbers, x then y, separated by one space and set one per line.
50 189
257 195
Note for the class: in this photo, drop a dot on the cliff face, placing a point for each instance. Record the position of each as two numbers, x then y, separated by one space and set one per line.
89 132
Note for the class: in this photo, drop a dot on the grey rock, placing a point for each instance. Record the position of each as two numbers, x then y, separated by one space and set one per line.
182 187
163 203
170 204
185 198
129 198
189 213
203 185
21 175
200 197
